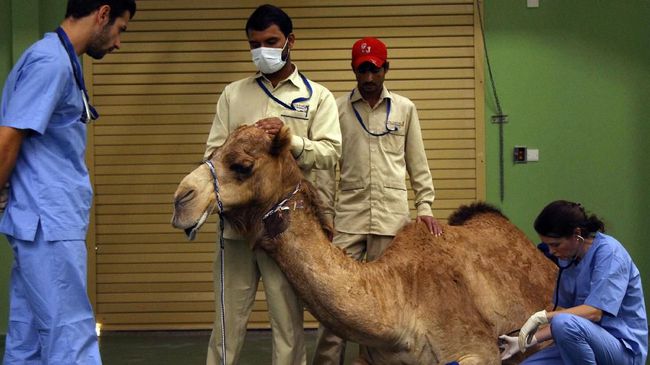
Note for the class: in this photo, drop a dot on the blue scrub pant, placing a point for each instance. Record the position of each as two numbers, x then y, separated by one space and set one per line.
51 320
579 341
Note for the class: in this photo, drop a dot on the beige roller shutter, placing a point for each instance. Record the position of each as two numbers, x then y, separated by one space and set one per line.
157 97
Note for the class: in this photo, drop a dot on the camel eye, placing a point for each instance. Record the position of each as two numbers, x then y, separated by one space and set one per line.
242 169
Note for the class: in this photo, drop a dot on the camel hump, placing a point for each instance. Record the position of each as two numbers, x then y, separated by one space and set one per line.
467 212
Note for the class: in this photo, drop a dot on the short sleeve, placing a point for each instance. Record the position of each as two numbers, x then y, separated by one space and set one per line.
38 87
609 280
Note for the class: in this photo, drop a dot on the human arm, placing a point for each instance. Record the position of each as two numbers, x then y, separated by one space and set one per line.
10 141
325 181
585 311
33 91
321 148
417 166
530 328
220 126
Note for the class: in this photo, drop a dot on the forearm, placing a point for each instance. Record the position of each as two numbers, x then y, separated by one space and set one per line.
422 184
315 154
6 166
325 181
320 148
544 334
584 311
10 142
417 166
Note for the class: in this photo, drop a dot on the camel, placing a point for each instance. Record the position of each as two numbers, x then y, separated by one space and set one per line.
426 300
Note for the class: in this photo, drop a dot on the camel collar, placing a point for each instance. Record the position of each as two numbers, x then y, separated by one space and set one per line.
282 205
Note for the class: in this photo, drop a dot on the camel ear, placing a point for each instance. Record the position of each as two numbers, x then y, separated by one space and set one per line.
281 141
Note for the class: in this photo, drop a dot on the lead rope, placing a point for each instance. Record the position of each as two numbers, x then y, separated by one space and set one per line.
221 261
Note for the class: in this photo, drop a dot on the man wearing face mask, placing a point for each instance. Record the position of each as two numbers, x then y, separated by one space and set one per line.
277 95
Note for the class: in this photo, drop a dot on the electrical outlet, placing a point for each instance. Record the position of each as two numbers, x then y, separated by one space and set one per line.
532 3
519 154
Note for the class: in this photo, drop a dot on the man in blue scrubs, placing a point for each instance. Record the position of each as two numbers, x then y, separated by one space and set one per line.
600 316
43 119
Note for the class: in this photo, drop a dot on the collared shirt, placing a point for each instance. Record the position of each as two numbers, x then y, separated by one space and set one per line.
606 278
372 195
316 141
50 182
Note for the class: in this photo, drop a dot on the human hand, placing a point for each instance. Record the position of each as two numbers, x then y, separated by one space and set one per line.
432 224
330 235
509 345
4 197
271 126
331 231
527 331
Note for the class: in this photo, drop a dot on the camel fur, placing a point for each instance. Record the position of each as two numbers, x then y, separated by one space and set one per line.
426 300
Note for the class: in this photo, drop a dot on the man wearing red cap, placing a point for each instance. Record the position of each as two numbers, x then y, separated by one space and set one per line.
382 141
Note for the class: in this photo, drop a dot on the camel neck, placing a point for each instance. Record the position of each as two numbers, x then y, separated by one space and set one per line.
324 277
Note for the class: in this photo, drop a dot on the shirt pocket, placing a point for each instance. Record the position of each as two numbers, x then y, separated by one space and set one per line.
395 197
298 121
295 114
393 142
395 184
352 185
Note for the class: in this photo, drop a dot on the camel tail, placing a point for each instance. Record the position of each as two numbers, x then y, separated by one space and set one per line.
467 212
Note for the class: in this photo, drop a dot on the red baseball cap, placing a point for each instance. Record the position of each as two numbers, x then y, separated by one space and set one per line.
369 50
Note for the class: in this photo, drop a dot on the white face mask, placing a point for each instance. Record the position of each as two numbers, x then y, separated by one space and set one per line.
269 60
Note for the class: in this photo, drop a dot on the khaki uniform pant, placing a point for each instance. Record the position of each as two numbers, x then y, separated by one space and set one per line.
243 269
330 349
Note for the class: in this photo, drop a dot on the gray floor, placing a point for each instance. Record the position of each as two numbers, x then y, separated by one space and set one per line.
185 347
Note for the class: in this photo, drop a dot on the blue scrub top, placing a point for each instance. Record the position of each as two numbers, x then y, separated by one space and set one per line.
607 279
50 183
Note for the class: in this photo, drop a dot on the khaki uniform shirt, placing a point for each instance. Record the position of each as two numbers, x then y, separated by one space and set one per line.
316 141
372 196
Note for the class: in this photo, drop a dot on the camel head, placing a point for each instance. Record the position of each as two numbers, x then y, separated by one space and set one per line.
253 171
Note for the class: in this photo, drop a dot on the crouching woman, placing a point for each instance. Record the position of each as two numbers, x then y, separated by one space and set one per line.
599 315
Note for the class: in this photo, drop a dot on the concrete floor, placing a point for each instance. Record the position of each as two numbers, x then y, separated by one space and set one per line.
185 347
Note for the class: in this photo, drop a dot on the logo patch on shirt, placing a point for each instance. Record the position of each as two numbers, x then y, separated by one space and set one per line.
302 107
301 112
395 124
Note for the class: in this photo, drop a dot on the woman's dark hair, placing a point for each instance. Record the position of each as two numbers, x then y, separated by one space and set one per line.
81 8
265 16
560 219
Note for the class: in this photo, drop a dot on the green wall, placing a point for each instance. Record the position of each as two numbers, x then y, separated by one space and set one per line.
574 79
22 22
